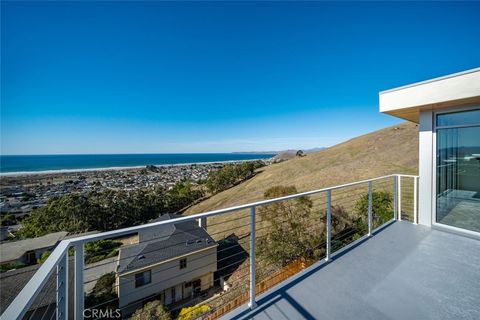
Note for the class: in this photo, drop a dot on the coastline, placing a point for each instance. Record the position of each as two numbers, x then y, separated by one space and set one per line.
59 171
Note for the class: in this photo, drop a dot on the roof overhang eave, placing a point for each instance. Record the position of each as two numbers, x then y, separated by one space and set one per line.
460 89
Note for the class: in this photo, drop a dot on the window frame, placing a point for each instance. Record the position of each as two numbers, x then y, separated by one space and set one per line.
450 111
434 223
140 275
183 263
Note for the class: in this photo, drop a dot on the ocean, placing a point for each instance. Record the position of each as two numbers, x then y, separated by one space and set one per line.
40 163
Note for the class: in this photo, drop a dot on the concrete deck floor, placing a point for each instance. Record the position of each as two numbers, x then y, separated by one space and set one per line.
404 271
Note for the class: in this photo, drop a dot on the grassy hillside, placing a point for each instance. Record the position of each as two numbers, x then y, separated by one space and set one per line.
390 150
387 151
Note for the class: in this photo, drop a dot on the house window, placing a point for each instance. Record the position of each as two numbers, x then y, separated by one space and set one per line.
183 263
458 169
143 278
31 257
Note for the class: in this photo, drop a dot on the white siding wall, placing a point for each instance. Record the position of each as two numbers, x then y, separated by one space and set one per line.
168 275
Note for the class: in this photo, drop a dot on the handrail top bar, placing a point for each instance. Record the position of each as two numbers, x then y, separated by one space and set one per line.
407 175
20 305
124 231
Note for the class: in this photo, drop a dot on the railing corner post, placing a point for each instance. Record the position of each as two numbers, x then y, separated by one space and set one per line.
329 225
252 303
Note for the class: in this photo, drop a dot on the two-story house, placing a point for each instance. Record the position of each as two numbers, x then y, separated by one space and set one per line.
170 263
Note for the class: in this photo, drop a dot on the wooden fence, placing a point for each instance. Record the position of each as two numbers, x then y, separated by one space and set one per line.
268 283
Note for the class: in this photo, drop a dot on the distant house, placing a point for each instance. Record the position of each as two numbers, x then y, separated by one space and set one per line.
28 251
169 263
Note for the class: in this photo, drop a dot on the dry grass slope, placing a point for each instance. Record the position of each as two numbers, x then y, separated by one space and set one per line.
387 151
390 150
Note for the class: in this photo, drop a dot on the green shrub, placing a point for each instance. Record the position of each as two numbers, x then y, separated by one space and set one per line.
103 294
382 209
44 257
101 249
153 310
11 266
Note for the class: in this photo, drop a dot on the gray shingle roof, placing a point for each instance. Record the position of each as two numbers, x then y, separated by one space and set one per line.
12 282
164 243
13 250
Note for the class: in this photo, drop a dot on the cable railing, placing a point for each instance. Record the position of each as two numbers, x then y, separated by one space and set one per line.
220 259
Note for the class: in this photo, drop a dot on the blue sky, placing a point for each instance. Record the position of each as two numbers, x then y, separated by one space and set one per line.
147 77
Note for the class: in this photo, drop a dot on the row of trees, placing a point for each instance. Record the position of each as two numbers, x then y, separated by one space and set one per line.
106 210
230 175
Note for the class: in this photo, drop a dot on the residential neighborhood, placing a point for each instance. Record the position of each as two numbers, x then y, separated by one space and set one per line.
19 194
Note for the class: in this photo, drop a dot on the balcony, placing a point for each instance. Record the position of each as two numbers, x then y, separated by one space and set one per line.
403 271
366 261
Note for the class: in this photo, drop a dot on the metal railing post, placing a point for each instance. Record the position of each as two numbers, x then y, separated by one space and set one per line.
370 204
62 287
415 199
329 225
202 223
395 198
252 304
79 289
399 198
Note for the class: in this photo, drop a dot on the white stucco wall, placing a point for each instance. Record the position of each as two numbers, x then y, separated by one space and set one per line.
425 167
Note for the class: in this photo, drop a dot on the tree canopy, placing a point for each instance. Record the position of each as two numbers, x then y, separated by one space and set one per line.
231 174
106 210
288 237
153 310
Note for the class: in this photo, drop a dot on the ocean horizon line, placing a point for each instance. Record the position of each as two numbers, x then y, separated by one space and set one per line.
21 173
143 153
82 163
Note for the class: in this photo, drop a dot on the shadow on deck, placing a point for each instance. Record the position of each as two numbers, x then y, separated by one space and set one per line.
404 271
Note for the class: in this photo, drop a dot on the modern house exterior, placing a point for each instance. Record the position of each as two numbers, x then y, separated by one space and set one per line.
447 110
170 263
397 270
404 270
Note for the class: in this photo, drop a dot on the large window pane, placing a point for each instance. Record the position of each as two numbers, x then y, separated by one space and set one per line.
463 118
458 177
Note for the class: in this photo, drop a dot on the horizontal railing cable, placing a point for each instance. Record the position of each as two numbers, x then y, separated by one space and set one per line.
344 195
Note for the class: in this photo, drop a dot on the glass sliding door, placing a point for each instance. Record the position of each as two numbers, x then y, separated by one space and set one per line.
458 169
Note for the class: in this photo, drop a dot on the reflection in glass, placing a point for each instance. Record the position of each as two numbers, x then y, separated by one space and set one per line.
462 118
458 177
